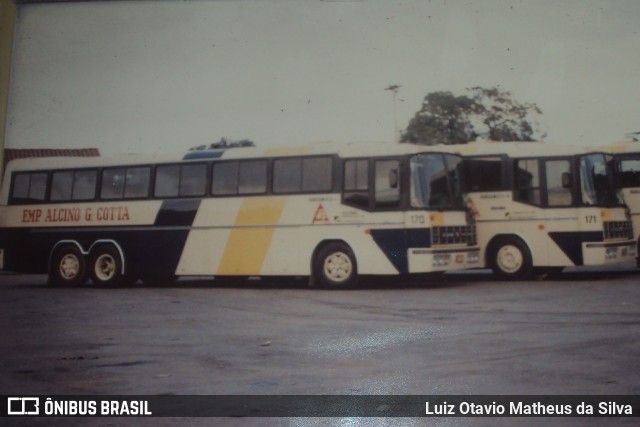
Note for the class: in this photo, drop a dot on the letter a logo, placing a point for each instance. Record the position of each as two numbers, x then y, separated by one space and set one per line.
321 216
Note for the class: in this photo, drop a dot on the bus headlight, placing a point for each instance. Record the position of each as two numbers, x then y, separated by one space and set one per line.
473 257
441 260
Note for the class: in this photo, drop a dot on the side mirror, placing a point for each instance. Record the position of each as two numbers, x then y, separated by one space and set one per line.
567 180
393 178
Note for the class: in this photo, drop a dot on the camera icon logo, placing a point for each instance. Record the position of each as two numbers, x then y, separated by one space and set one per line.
23 406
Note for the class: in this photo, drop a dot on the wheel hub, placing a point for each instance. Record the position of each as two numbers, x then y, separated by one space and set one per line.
338 267
510 259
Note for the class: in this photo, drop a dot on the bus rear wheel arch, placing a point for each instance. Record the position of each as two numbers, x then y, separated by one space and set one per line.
335 266
510 258
68 266
105 265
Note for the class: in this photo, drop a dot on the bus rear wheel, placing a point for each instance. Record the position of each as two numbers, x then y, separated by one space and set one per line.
510 258
68 267
106 266
335 266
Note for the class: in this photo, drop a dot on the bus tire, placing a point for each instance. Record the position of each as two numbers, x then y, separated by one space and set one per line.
335 266
105 266
68 267
510 258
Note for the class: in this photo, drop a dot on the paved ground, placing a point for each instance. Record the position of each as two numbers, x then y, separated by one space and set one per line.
456 334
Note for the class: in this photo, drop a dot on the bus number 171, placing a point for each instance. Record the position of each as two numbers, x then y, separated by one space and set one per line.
590 219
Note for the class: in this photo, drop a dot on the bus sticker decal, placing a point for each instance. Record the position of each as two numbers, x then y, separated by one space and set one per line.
320 216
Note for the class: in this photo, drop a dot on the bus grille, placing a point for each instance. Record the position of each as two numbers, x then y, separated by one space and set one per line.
618 230
454 234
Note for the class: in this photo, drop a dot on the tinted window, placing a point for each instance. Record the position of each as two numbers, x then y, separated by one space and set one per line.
252 177
596 181
287 175
302 175
193 180
629 172
137 182
129 183
356 175
167 181
356 182
181 180
454 173
429 182
557 193
84 185
387 183
61 186
73 185
112 183
528 181
21 184
317 174
484 174
225 179
30 186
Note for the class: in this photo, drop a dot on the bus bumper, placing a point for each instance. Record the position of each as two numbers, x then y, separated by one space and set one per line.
426 260
600 253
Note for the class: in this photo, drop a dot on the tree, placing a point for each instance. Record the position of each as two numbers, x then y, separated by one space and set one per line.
484 113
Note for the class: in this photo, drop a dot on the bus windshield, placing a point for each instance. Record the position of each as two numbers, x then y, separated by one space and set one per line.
436 181
597 186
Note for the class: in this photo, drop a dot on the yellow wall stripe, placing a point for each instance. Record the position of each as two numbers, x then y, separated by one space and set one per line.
248 244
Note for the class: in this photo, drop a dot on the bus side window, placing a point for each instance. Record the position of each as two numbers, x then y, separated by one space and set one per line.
61 186
558 183
73 185
252 177
224 180
129 183
287 175
387 188
29 187
84 185
629 174
484 174
193 180
137 182
356 183
112 184
528 181
317 174
302 175
167 181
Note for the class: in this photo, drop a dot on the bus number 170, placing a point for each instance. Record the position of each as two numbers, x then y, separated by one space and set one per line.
418 219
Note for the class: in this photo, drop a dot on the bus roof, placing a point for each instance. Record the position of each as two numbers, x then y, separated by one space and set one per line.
620 147
520 149
346 150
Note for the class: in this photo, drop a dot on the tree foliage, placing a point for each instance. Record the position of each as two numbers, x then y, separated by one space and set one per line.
482 113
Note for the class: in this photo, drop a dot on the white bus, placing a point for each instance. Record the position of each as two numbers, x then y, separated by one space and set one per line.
327 211
544 207
627 161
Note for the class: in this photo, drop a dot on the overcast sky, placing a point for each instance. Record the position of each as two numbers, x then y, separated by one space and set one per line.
160 75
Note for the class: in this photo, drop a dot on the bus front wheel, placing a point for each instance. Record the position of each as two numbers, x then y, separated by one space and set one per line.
68 267
106 266
510 258
335 266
